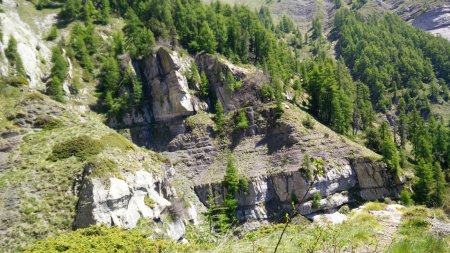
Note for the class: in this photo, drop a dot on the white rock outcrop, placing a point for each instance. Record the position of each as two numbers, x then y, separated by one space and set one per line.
168 86
270 194
123 202
33 51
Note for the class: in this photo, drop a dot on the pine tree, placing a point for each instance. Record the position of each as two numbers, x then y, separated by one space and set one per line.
231 183
423 186
388 149
89 11
206 39
279 98
219 118
317 28
110 75
204 85
140 40
71 9
14 58
104 13
439 190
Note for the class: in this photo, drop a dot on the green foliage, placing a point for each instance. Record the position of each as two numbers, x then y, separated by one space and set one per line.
267 91
308 122
243 185
100 239
83 42
388 149
317 197
423 186
242 121
149 202
386 53
53 34
193 77
48 122
231 183
206 40
81 147
140 40
316 28
328 87
414 234
406 198
307 168
219 117
14 59
232 83
204 86
58 75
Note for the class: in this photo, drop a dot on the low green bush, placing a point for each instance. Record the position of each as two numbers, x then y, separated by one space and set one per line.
242 121
317 197
101 239
308 122
81 147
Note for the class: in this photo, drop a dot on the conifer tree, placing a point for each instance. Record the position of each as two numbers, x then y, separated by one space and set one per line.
206 39
104 12
204 85
219 118
439 190
423 186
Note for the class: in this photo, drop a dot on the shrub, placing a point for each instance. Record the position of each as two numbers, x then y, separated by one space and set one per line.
149 202
81 147
406 199
268 92
308 122
242 121
48 122
243 185
100 239
316 200
53 34
344 209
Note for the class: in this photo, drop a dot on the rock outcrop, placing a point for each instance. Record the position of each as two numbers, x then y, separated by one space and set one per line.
33 51
166 85
269 195
124 202
217 69
435 21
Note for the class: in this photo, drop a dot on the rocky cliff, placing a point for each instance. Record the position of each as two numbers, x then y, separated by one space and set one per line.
34 51
269 152
271 195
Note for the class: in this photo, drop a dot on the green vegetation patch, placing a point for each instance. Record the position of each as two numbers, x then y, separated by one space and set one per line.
81 147
414 234
102 239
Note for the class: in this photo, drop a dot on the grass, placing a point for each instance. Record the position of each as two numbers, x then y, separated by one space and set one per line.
374 206
43 190
414 234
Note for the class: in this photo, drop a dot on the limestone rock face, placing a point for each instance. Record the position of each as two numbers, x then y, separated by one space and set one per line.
435 21
340 185
123 202
33 51
166 85
216 69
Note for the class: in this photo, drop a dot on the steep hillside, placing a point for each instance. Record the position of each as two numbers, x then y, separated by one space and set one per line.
179 126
